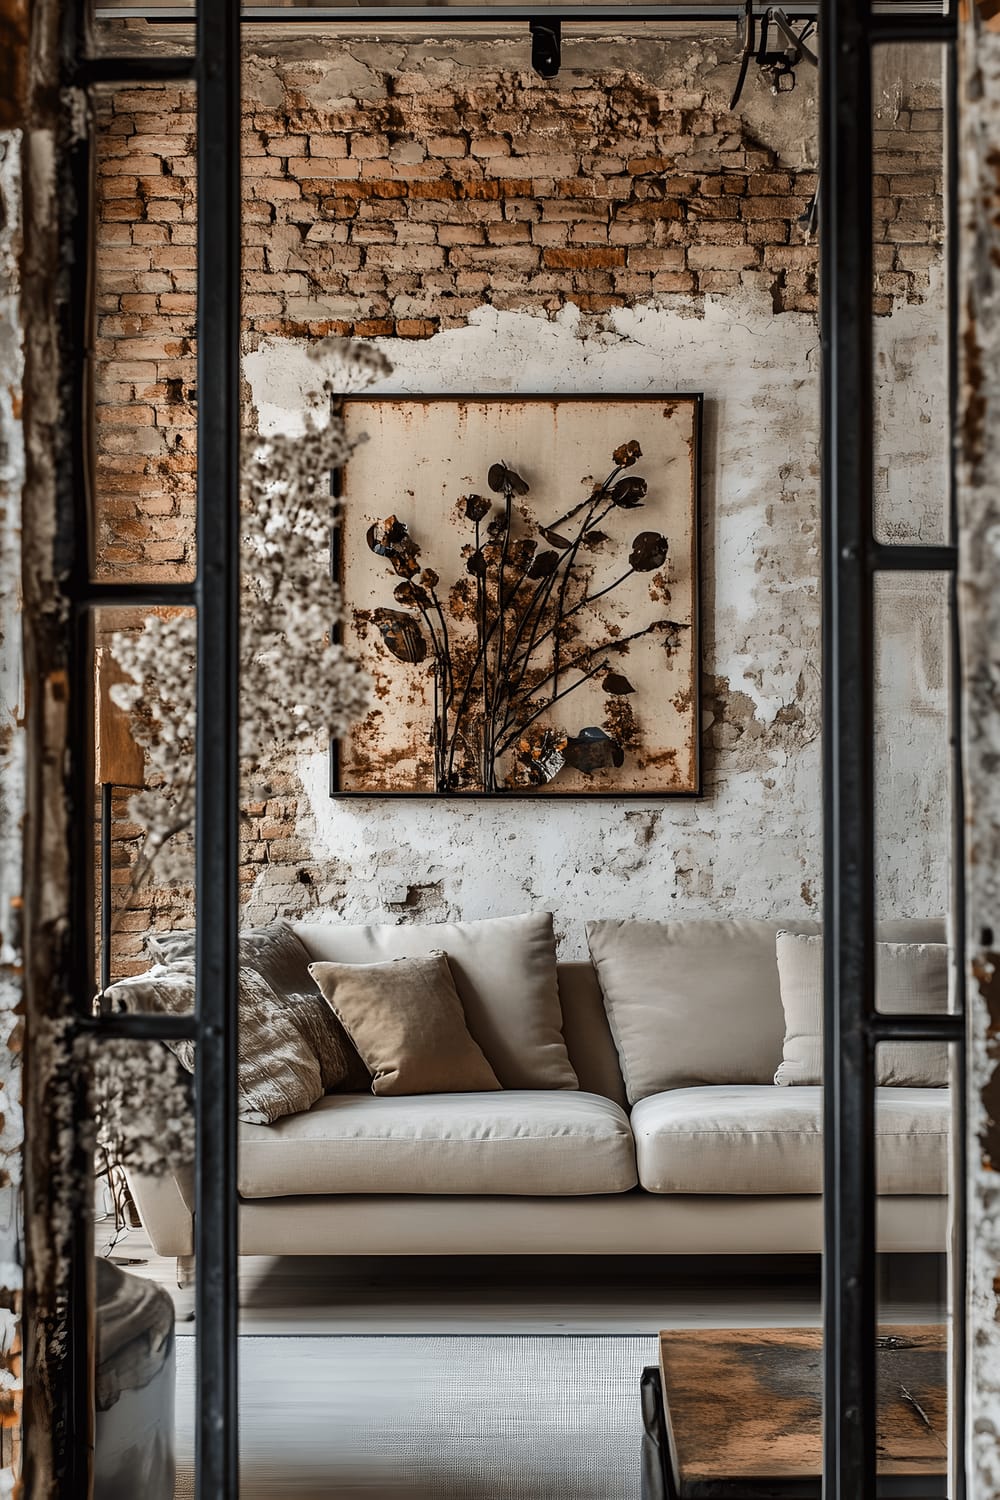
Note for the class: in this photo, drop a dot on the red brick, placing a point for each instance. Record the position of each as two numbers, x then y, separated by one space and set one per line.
595 302
373 328
772 207
415 328
583 260
663 208
641 166
722 257
656 258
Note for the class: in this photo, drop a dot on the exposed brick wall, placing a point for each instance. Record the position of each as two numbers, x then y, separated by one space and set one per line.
399 215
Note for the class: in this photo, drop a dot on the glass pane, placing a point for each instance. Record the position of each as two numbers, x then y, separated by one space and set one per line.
145 1335
144 788
911 443
914 1131
144 367
913 812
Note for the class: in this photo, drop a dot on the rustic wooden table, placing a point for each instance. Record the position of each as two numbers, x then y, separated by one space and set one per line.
741 1414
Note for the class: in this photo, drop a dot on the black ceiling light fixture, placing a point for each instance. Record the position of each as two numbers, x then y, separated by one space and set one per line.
546 47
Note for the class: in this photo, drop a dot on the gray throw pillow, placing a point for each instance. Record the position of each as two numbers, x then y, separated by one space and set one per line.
278 1073
278 955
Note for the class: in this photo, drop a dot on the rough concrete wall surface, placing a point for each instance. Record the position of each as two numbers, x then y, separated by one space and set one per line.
979 573
11 806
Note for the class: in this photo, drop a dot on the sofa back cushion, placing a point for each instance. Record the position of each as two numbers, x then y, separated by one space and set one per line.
909 977
698 1001
505 973
690 1002
588 1036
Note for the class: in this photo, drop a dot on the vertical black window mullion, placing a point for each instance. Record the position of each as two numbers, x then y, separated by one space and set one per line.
848 772
217 837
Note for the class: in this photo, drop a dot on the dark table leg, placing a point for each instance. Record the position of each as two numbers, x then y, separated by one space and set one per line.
657 1478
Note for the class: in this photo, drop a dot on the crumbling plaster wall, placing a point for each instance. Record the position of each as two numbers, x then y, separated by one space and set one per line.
752 845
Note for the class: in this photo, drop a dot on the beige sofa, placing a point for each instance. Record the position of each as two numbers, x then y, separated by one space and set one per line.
729 1169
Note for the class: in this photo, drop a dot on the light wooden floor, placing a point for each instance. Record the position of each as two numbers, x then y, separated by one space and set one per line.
310 1295
407 1411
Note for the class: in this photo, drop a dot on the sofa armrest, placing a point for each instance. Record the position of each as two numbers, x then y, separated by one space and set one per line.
166 1207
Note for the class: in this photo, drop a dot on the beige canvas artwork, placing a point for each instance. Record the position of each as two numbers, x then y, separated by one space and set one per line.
520 578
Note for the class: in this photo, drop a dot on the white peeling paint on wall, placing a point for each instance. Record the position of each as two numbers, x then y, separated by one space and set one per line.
752 844
979 601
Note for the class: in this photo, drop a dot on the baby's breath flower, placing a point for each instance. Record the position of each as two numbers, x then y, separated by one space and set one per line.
296 681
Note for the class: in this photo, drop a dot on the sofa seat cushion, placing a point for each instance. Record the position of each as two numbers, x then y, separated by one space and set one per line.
523 1142
764 1139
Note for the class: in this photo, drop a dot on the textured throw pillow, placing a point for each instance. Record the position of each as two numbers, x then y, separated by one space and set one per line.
690 1002
279 957
407 1022
910 977
278 1073
504 969
166 988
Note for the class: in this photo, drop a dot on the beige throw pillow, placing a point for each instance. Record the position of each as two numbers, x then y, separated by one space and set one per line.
278 1073
504 969
278 955
406 1020
911 977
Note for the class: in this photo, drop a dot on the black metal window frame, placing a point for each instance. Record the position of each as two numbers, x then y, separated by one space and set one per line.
852 561
848 30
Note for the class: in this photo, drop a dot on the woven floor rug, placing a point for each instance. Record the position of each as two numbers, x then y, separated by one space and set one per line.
481 1417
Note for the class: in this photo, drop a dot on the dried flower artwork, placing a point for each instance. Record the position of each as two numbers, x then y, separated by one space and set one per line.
521 581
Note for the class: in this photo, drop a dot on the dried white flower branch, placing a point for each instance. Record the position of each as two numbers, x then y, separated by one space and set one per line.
143 1114
296 681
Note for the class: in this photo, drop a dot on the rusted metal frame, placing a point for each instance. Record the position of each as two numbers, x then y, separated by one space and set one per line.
849 1261
217 745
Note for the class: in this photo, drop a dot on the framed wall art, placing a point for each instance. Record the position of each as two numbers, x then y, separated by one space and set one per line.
520 576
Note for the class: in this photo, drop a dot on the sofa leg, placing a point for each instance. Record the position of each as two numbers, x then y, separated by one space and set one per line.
183 1298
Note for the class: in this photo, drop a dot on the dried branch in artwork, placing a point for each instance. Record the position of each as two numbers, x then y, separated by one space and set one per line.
528 597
